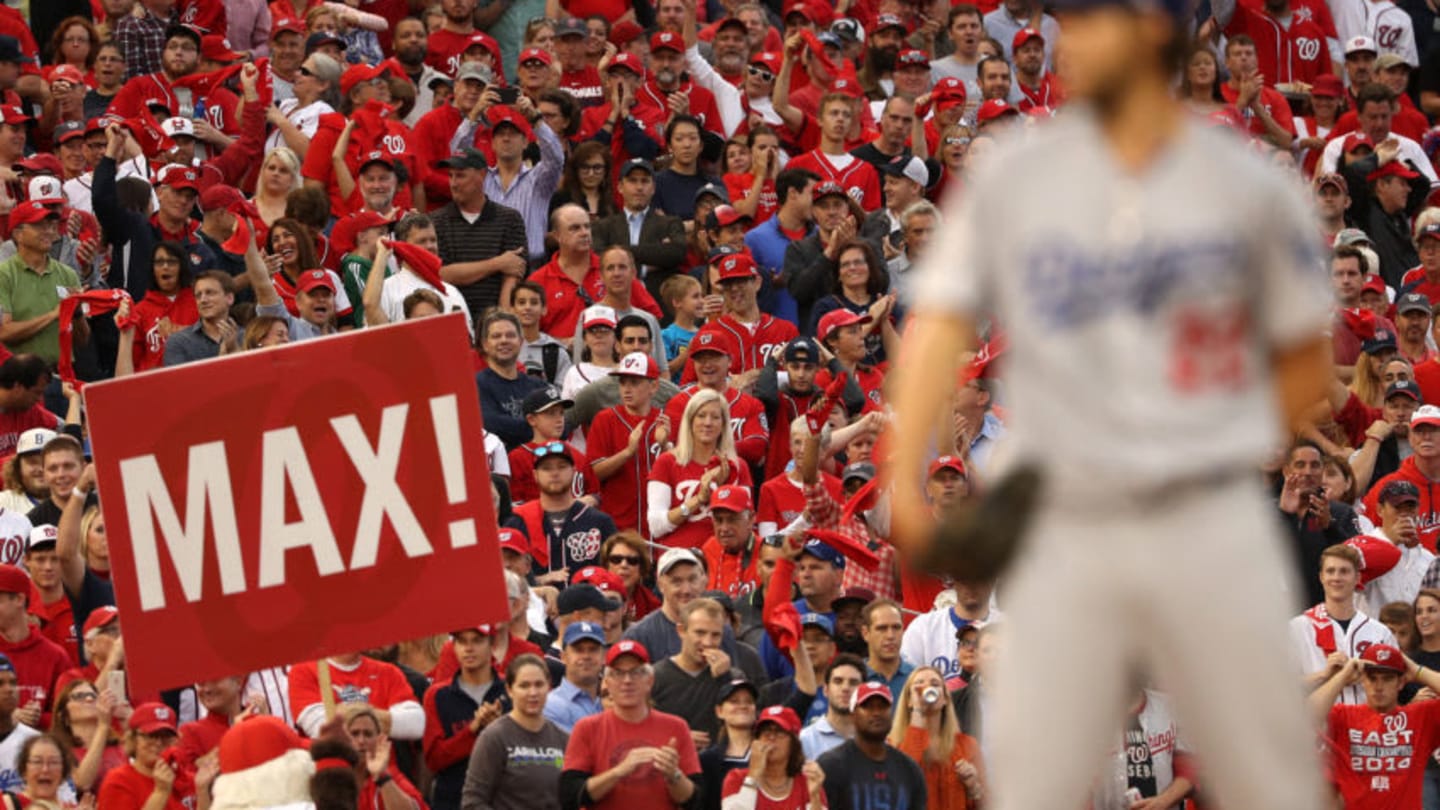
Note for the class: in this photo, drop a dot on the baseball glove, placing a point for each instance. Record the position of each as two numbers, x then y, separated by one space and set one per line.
979 539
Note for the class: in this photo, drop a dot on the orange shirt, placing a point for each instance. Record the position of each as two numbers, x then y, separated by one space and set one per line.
943 788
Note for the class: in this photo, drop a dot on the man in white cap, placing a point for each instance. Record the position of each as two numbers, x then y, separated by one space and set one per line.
680 575
904 180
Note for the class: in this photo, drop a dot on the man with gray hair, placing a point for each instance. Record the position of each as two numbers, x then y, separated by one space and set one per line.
905 247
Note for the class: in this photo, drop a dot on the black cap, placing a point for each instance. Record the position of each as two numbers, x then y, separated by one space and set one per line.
863 470
1407 388
1412 302
547 397
721 597
319 38
470 158
637 163
571 26
802 350
10 50
847 30
715 190
583 597
1383 339
1398 491
183 30
730 688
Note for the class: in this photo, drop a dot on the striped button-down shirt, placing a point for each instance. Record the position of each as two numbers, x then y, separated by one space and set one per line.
142 40
532 188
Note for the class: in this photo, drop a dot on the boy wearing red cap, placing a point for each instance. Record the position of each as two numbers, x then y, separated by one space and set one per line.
629 756
625 440
38 661
1379 749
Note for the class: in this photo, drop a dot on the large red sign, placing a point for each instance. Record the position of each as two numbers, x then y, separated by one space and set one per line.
284 504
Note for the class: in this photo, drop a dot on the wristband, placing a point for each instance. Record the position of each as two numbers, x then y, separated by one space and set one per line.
384 780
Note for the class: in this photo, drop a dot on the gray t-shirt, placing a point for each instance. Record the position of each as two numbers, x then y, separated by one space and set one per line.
1207 256
512 768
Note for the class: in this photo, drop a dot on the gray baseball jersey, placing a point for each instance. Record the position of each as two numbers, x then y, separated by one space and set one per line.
1141 309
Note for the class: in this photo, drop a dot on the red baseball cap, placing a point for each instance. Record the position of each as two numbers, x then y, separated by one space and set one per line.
870 690
946 463
505 114
625 32
1355 140
911 57
737 265
890 21
151 718
535 55
782 716
835 319
770 60
732 499
993 109
98 618
947 93
1384 656
41 163
726 215
29 213
310 279
220 197
67 73
482 629
1327 86
357 74
627 647
637 364
280 25
667 41
216 48
712 340
606 581
513 540
1374 283
1392 169
627 61
845 85
68 130
12 579
1023 36
11 114
178 176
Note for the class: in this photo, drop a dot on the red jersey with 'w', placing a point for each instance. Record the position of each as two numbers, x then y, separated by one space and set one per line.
757 341
1378 760
624 492
858 178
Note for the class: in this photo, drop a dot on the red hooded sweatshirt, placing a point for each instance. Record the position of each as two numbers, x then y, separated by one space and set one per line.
1429 511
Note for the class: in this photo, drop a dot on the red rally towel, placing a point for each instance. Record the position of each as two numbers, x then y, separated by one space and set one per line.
421 262
98 303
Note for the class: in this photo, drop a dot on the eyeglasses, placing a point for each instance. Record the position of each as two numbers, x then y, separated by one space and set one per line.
762 74
956 140
304 71
553 448
593 168
45 763
632 674
625 559
165 261
967 644
84 697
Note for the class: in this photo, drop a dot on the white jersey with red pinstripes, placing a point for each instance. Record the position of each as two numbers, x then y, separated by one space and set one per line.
858 177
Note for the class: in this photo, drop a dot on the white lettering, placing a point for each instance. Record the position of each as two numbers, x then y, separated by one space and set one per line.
284 460
207 484
382 495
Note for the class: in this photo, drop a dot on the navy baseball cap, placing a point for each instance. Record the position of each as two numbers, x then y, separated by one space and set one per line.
320 38
1399 491
824 552
863 470
571 27
543 400
819 620
1412 302
802 350
1382 340
580 631
730 688
583 597
637 163
10 50
1407 388
715 190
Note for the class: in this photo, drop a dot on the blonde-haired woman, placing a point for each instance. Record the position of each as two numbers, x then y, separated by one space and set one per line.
279 175
682 480
1375 353
927 732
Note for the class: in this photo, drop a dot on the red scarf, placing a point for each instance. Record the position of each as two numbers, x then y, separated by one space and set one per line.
148 134
100 302
421 262
1324 629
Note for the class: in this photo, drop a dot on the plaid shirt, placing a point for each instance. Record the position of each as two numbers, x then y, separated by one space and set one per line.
824 512
142 40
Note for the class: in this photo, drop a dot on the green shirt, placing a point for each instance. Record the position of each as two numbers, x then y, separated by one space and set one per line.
354 269
26 294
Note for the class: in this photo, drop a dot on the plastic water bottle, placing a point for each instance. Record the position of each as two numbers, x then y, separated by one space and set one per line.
199 114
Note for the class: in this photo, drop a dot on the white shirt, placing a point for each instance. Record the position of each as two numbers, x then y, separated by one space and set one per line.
1393 31
399 286
929 641
306 119
1409 150
14 535
1401 583
1351 641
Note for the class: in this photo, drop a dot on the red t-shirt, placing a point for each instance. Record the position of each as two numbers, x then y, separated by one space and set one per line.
858 178
585 85
601 741
782 500
58 619
623 494
1378 760
683 479
522 473
443 50
739 185
374 682
1427 376
748 423
13 423
798 799
611 10
127 789
1272 101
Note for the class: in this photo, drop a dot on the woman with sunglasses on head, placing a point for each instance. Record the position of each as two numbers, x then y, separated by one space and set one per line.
296 120
925 729
81 722
627 555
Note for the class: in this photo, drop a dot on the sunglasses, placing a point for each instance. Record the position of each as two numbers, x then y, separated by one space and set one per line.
551 449
304 71
762 74
774 540
956 141
627 559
